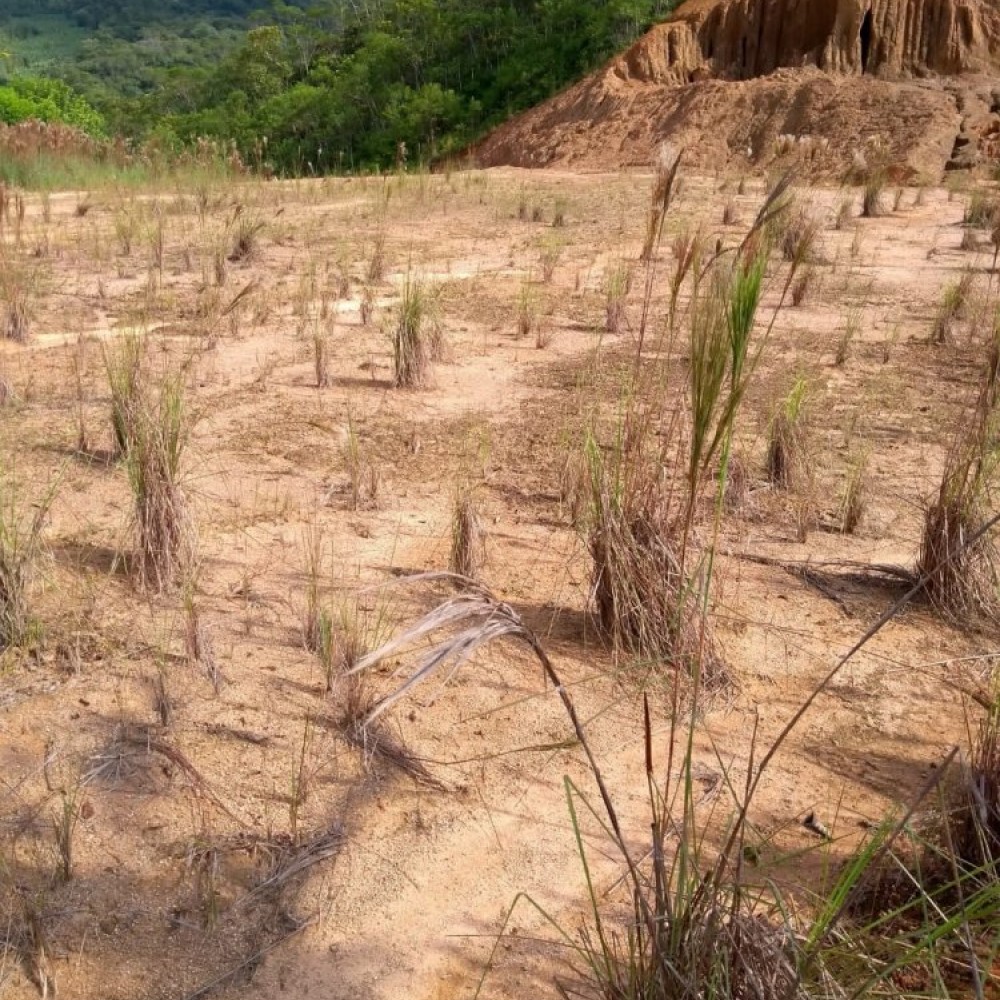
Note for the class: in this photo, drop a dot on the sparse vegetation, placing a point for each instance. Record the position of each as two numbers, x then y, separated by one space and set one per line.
637 547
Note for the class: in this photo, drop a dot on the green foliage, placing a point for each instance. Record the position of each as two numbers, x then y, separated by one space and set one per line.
33 97
316 87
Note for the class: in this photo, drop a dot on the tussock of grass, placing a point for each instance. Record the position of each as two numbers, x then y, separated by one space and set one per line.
411 347
151 429
468 540
953 308
799 237
983 210
20 552
786 443
854 501
962 579
618 283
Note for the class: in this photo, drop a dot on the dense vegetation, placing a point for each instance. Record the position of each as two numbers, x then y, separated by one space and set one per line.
336 85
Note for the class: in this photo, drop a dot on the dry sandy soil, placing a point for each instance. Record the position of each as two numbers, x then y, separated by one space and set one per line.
176 831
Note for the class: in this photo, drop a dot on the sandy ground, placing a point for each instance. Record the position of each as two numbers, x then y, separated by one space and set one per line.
411 893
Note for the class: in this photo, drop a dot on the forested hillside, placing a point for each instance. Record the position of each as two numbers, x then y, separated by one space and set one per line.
334 85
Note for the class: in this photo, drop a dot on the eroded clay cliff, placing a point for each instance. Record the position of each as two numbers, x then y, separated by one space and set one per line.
733 77
742 39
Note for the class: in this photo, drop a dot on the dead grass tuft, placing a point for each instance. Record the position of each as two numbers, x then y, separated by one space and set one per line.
411 350
468 539
786 443
961 578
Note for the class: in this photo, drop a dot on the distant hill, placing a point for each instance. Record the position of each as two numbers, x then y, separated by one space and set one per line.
315 85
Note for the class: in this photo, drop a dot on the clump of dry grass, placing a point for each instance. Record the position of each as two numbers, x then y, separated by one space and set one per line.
20 552
854 502
617 285
366 309
962 579
559 213
983 210
15 296
668 162
852 328
738 497
845 214
364 481
321 356
468 538
244 245
411 354
802 285
377 263
953 308
786 440
151 426
973 820
123 369
198 646
969 241
798 238
549 255
527 310
729 213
